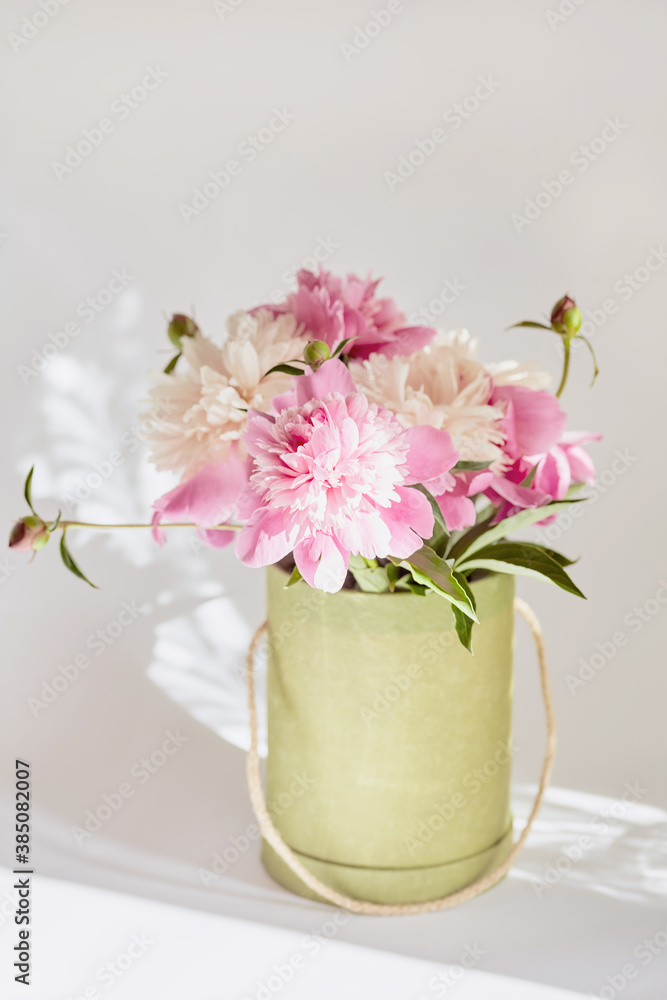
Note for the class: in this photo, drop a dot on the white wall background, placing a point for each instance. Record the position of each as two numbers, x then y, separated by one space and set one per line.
322 178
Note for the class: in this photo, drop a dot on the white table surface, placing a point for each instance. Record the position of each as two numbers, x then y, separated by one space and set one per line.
216 940
91 943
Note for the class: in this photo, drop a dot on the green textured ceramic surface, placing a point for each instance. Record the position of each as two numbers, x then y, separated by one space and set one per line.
389 744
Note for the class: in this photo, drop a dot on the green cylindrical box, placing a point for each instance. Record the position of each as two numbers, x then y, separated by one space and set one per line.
388 771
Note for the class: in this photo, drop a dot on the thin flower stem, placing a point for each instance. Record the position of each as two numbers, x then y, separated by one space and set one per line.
179 524
566 366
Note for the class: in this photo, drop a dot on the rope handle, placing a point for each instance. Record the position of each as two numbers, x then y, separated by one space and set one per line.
273 837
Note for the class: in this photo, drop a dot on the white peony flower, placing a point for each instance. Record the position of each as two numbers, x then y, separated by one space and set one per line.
442 385
198 411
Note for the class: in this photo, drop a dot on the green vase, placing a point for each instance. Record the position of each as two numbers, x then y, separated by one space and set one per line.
388 771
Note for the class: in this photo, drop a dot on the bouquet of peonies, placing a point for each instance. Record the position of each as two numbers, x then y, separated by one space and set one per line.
357 451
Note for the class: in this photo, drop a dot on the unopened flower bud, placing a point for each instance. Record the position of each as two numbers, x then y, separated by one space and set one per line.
566 317
181 326
28 534
315 352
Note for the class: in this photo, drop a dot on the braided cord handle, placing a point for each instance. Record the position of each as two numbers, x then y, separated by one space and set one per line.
273 837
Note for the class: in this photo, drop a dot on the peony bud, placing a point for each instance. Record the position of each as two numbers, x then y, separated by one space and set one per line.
28 534
566 317
181 326
315 352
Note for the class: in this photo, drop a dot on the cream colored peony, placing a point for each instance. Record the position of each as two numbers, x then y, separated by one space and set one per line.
198 411
445 386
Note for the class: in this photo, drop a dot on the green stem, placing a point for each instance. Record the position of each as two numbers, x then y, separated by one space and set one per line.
566 365
179 524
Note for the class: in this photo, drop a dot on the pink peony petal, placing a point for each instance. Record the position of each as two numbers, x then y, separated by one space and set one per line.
206 499
520 496
533 420
322 562
215 538
409 522
430 458
266 538
332 376
457 510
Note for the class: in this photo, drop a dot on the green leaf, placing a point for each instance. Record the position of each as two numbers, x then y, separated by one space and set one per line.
435 506
463 628
407 583
294 578
521 520
470 466
287 369
69 561
341 347
521 559
172 364
529 322
431 571
596 370
54 524
27 490
371 579
463 583
393 575
528 480
560 559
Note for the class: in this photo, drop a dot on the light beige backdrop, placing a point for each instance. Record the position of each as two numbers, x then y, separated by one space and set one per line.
547 176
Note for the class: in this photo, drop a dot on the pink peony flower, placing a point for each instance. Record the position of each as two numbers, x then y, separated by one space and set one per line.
332 309
330 478
565 464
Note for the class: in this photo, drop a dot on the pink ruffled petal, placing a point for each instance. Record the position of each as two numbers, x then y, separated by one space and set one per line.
207 499
581 465
409 522
215 538
266 538
533 420
430 458
322 562
332 376
457 510
519 496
